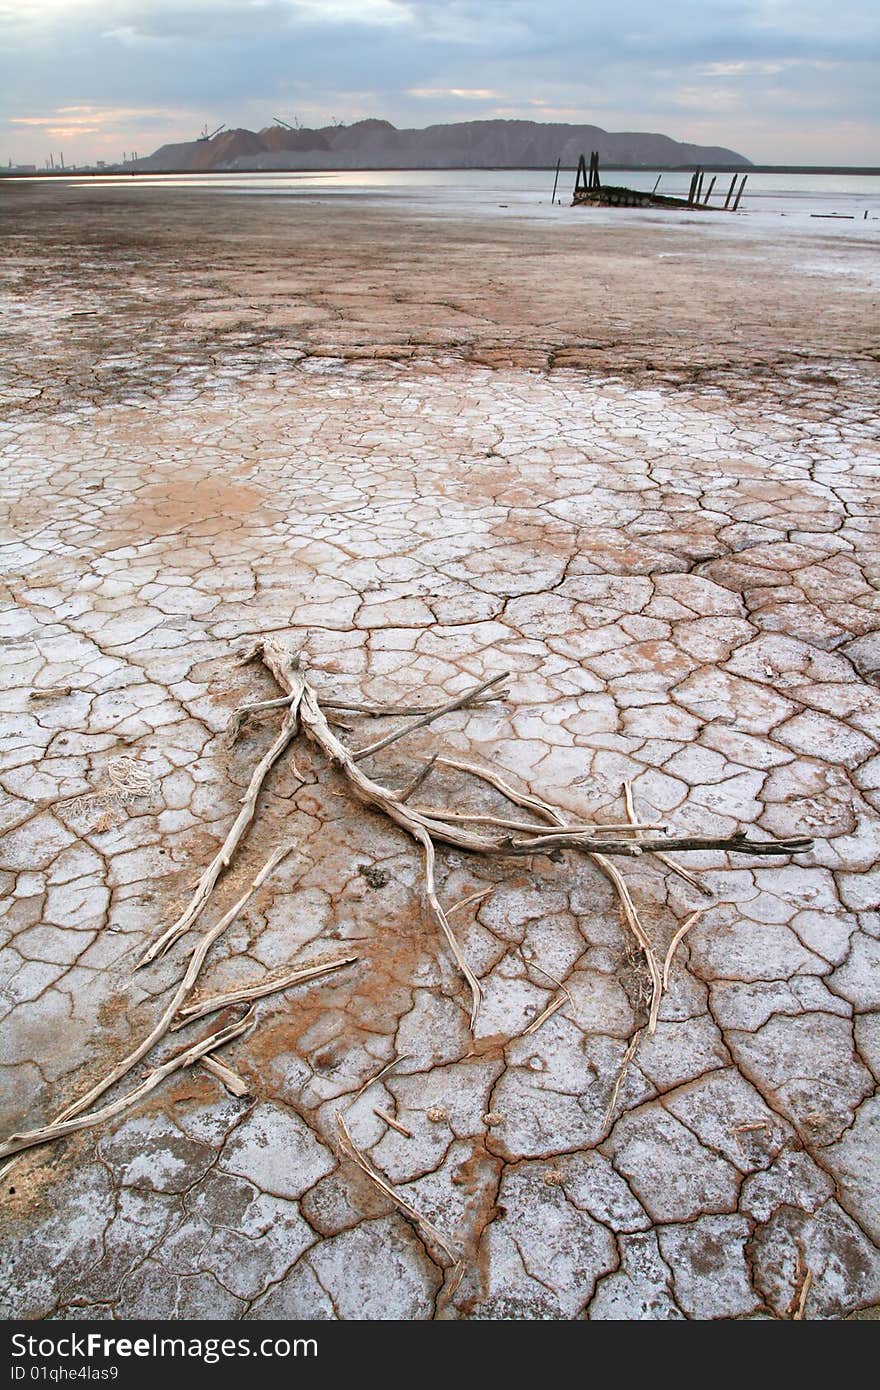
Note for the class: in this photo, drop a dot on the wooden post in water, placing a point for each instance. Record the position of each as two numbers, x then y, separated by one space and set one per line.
709 193
698 192
730 192
556 180
740 193
692 187
656 185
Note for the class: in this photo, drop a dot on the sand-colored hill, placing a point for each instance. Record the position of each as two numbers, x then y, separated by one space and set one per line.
376 144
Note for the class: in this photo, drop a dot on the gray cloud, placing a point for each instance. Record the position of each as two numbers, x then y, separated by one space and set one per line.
779 80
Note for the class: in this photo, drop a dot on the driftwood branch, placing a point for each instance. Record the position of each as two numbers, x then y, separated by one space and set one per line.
223 857
16 1142
56 1128
260 990
349 1149
549 833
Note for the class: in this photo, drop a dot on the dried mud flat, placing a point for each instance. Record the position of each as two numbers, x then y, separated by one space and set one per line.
636 468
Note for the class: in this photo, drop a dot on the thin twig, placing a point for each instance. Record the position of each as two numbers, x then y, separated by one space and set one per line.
624 1068
395 1124
682 931
475 987
403 711
161 1027
223 857
371 1080
551 1009
16 1142
413 785
213 1002
574 828
554 1005
472 898
349 1149
429 717
239 716
740 843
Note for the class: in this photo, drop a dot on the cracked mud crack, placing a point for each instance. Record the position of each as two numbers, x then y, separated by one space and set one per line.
531 1033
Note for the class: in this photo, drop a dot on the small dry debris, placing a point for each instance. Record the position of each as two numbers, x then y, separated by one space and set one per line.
553 1177
437 1115
376 877
492 1117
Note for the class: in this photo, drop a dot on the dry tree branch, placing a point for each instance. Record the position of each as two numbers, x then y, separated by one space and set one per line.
349 1149
682 931
671 864
429 716
260 990
162 1026
16 1142
240 825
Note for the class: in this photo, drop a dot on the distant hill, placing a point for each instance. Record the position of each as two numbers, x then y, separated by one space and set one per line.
375 144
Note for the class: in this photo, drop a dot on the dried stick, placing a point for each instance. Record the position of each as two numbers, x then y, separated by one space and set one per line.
226 1076
682 931
624 1068
223 857
634 923
739 843
161 1027
553 1006
475 987
213 1002
244 712
474 818
429 717
349 1149
413 785
371 1080
551 1009
472 898
16 1142
671 864
403 711
395 1124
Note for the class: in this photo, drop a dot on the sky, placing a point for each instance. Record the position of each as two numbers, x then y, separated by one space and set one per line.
780 81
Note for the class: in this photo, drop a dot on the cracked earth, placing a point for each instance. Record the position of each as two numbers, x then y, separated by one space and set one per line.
636 468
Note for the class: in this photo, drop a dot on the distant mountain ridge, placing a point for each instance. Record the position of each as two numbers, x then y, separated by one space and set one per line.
377 144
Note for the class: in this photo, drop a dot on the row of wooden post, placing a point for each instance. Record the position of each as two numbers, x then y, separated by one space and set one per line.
695 192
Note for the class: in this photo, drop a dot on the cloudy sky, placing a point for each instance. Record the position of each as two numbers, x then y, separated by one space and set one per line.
781 81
